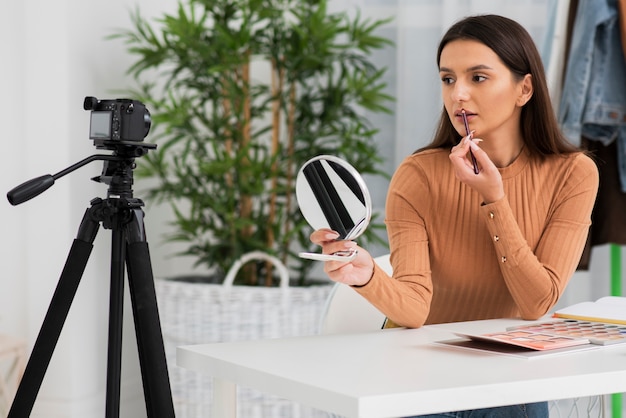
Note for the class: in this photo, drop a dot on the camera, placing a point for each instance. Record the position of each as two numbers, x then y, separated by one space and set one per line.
117 120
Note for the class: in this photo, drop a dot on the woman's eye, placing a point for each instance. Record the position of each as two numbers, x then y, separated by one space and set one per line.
479 78
447 80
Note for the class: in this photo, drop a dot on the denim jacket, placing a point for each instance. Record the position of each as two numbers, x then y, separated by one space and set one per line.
593 102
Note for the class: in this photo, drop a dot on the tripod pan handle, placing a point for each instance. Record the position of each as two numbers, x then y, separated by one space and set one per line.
30 189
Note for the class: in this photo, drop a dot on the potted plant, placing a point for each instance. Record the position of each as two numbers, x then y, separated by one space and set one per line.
242 93
245 92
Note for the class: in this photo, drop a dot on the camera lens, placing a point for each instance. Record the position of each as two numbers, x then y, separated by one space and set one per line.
147 122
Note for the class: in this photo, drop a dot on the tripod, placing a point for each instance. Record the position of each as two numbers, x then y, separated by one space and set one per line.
121 213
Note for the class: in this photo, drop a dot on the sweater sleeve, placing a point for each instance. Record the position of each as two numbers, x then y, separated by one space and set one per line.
406 298
537 277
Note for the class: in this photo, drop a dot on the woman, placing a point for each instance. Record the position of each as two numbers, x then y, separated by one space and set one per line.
500 243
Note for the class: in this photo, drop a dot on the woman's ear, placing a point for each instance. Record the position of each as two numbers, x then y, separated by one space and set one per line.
526 90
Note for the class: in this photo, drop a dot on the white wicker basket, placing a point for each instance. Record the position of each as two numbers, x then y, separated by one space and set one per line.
193 313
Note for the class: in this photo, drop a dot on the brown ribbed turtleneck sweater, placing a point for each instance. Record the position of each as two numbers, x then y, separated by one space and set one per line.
457 260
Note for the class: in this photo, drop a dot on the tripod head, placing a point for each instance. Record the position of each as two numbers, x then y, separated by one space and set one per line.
117 173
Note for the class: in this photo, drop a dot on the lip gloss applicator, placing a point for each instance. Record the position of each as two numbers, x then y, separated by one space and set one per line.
467 130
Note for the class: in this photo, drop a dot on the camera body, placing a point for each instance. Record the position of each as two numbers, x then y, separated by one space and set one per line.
117 120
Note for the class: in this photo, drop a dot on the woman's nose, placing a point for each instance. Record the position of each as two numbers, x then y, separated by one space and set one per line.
460 92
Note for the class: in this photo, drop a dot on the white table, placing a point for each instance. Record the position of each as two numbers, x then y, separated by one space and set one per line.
400 372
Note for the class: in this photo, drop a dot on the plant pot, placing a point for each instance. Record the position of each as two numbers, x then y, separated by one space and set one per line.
200 313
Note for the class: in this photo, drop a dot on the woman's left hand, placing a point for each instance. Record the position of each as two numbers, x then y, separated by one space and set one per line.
488 181
356 272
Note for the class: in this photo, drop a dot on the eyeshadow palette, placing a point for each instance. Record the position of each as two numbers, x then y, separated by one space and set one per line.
596 332
534 340
556 334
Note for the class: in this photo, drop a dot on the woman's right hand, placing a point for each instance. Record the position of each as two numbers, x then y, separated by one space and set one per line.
357 272
488 181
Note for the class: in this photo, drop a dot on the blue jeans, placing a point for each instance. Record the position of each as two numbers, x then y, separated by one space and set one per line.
529 410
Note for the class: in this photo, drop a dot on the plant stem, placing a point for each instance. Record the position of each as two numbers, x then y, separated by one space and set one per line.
228 149
276 86
246 199
291 133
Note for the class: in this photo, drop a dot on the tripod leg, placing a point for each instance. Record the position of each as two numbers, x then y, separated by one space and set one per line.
157 390
116 315
55 318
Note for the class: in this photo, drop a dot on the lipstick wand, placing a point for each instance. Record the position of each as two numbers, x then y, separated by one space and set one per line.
467 130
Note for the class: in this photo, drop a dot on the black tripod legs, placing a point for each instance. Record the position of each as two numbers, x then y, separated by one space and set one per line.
116 319
55 318
130 250
157 391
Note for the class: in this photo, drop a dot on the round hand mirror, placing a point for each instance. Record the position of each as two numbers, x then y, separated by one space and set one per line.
332 194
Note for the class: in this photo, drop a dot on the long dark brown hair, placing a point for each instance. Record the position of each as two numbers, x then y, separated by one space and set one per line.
515 47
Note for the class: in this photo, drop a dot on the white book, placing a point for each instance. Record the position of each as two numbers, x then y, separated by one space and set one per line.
609 309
